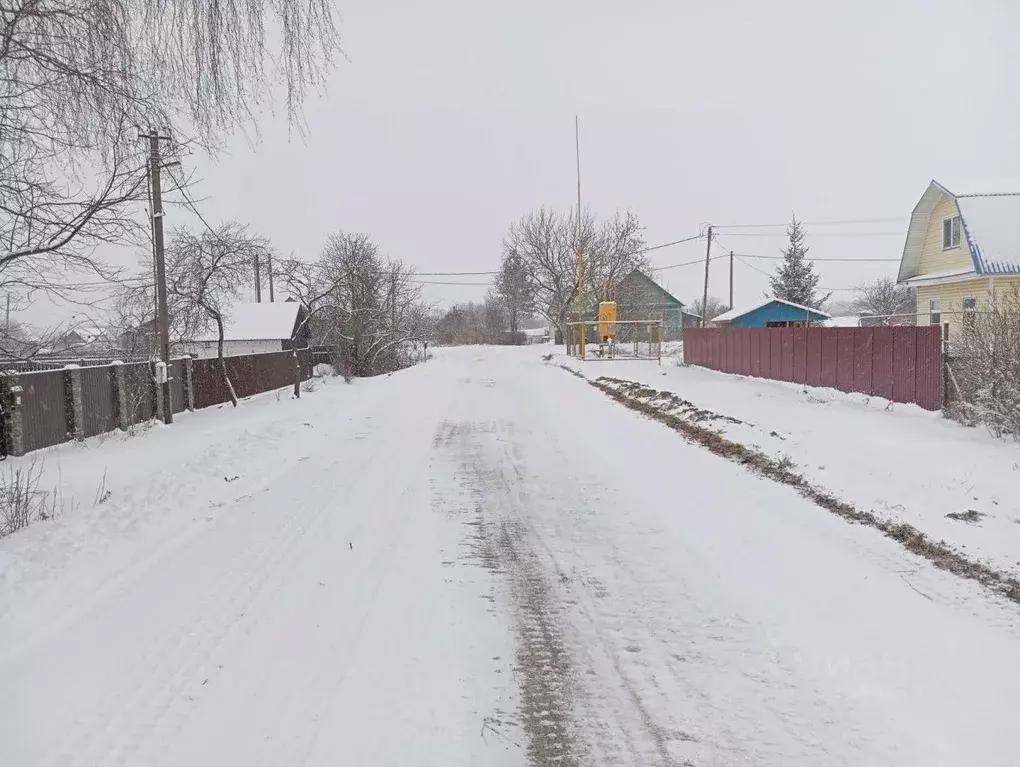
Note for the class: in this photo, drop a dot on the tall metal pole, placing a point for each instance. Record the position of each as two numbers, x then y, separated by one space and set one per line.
731 279
704 298
157 236
580 247
269 259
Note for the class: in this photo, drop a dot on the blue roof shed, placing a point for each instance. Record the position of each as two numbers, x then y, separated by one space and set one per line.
772 313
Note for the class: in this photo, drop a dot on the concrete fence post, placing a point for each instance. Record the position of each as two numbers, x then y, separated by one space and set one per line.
189 383
16 420
77 409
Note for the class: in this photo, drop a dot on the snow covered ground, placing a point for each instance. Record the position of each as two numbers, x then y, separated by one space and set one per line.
902 463
478 561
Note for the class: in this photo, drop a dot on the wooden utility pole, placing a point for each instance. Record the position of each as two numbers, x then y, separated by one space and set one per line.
258 281
162 318
269 258
704 298
731 279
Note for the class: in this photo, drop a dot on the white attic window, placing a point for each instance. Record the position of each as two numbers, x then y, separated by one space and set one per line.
950 232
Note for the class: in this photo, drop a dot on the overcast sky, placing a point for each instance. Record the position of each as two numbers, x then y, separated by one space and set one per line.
453 117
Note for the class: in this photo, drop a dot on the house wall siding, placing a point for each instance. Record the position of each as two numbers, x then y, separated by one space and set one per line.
951 297
207 349
933 258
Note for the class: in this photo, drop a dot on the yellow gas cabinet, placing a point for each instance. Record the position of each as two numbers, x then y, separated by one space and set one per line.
607 321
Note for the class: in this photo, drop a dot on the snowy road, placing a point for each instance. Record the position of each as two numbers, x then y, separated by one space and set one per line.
481 561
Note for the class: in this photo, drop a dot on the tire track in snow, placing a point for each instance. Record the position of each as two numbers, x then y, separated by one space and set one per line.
556 623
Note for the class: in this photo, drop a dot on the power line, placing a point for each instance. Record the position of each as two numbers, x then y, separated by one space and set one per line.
823 258
688 263
817 234
435 282
847 222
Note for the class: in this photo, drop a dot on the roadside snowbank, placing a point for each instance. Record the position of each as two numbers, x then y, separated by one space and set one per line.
899 461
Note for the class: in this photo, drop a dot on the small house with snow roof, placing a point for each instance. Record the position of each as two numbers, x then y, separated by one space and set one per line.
961 251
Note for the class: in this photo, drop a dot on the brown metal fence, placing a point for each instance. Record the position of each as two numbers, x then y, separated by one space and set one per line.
98 406
903 363
250 374
43 410
45 398
177 390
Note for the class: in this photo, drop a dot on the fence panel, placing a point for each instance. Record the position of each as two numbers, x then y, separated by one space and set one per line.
139 392
800 352
250 374
905 364
45 398
830 357
901 363
864 352
928 368
882 366
98 411
177 398
813 360
775 356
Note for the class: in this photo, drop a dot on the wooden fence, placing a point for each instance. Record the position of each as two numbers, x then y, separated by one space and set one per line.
902 364
50 407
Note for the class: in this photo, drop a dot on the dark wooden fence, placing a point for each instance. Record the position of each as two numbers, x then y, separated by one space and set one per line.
250 374
902 364
50 407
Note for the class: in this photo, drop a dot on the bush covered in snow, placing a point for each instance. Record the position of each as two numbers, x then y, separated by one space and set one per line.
985 368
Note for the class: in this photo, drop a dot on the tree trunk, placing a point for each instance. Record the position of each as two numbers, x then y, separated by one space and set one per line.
223 361
297 374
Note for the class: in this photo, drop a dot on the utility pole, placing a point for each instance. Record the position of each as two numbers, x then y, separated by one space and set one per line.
580 248
8 322
731 279
258 281
162 318
269 258
704 299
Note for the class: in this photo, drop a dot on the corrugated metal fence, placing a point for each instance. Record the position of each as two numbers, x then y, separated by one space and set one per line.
50 407
250 374
903 364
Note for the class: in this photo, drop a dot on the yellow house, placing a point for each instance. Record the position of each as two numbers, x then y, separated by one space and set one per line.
961 250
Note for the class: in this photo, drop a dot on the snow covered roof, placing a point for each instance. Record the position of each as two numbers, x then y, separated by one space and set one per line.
846 321
258 322
991 223
733 314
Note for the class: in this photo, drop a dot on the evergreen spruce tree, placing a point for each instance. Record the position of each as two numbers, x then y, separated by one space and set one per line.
795 280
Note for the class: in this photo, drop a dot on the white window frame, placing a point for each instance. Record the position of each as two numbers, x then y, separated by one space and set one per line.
935 311
969 313
955 232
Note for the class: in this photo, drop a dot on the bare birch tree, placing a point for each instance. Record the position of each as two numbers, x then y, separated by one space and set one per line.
77 78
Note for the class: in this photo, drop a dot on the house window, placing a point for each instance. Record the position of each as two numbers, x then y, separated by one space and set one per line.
935 312
969 314
951 232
